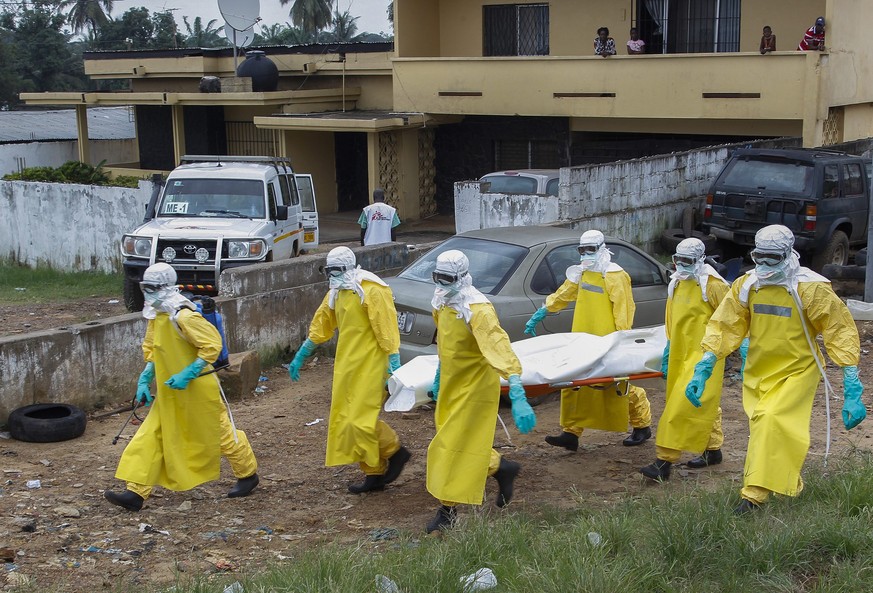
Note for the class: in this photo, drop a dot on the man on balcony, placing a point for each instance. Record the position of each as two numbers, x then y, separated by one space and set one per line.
814 38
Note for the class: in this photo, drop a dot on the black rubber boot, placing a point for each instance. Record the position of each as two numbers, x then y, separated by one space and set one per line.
244 486
395 464
370 484
127 499
709 457
658 471
746 506
505 476
445 518
568 440
638 437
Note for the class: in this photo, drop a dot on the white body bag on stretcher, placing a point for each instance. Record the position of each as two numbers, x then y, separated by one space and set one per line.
553 361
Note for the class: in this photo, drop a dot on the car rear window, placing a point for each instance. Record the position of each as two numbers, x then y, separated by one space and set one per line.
778 175
491 262
511 184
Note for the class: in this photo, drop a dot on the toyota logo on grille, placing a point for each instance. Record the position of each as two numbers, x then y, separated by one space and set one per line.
189 249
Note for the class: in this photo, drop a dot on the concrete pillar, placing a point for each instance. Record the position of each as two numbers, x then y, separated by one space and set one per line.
178 133
82 131
408 202
372 164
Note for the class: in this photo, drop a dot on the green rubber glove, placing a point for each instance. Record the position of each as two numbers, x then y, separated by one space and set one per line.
702 372
393 362
853 408
665 359
305 351
435 389
744 351
522 414
181 379
143 393
539 315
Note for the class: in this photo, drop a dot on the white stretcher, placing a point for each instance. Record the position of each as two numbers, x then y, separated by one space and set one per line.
551 362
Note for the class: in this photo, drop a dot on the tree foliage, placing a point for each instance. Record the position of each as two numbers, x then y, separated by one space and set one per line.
200 36
86 14
310 15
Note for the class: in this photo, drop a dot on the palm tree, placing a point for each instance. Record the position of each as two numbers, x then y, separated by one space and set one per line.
92 14
198 36
391 12
310 15
344 26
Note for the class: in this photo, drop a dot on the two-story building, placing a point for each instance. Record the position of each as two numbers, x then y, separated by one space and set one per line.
471 86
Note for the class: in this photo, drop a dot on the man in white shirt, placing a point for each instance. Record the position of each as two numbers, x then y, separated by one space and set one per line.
378 221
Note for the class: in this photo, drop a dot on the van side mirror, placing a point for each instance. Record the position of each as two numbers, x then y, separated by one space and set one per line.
281 212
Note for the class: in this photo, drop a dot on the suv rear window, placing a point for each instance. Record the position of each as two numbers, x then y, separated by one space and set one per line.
511 184
777 175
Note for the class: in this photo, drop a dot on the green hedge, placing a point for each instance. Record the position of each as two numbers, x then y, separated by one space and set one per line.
73 172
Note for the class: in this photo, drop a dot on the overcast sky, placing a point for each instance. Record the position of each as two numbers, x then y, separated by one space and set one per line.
372 13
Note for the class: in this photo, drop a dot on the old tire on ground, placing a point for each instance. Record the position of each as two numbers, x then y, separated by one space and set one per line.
133 298
861 257
670 238
46 423
836 252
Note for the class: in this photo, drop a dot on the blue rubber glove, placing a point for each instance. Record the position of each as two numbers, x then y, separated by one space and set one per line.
539 315
665 359
435 389
305 351
522 413
181 379
393 362
702 372
853 408
744 351
143 394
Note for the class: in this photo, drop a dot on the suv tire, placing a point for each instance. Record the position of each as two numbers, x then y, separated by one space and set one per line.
670 238
133 298
836 252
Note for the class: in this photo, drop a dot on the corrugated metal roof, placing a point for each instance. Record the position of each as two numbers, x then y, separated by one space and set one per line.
104 123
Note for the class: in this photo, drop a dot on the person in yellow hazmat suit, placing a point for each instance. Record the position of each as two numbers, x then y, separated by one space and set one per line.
474 352
188 430
361 307
693 295
782 307
601 290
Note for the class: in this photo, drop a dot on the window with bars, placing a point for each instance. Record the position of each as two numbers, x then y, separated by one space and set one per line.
245 139
526 154
515 30
690 26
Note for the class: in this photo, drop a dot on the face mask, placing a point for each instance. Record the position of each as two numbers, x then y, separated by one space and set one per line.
772 274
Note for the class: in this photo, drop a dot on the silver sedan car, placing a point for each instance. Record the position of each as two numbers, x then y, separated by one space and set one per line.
517 268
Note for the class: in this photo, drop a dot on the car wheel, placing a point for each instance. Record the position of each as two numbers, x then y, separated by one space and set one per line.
46 423
133 297
670 238
836 252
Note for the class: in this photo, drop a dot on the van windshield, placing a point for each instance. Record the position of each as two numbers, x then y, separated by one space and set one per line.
218 198
777 175
511 184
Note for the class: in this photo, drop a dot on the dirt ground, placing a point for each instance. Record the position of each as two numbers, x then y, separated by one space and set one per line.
64 536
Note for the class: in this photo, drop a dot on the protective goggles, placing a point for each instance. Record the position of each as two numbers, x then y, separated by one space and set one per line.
335 270
446 278
767 258
151 288
587 249
684 260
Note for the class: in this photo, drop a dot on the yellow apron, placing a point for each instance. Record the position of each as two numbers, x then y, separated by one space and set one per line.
683 427
587 407
178 446
471 357
779 387
367 334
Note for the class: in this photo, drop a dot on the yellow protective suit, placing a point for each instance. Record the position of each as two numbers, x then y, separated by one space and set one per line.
367 335
604 304
180 443
683 427
472 359
781 376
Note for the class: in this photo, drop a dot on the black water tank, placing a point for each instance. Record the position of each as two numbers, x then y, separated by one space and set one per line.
262 71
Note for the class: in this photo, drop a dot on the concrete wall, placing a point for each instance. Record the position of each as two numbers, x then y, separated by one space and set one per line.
68 227
267 308
55 154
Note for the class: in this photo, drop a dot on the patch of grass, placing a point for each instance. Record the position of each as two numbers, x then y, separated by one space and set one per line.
45 285
687 541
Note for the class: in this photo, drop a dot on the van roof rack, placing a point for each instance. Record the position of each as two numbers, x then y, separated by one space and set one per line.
214 158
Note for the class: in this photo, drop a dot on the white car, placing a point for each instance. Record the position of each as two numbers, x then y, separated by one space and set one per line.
523 181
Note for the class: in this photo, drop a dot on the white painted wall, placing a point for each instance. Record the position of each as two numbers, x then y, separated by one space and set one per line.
55 154
68 227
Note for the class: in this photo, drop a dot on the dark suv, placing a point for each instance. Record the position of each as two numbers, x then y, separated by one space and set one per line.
821 195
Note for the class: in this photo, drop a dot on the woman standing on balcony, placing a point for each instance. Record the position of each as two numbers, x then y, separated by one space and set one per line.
604 45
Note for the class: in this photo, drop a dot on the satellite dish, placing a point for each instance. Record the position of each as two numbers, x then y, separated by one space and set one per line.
240 14
242 38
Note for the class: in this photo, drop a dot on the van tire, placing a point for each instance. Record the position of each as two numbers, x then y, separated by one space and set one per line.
670 238
133 297
836 252
46 423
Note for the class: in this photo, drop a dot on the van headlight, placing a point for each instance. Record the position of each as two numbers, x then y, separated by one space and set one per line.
245 249
136 246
